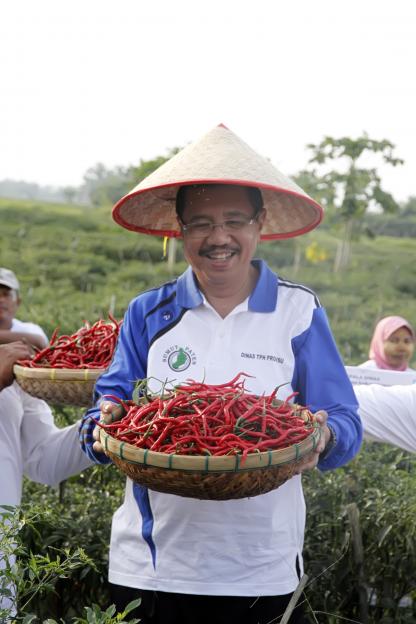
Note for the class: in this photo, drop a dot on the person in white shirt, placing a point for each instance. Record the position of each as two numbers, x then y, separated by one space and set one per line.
30 445
11 329
388 414
30 442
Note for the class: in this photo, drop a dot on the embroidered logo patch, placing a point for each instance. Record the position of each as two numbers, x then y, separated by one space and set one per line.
179 358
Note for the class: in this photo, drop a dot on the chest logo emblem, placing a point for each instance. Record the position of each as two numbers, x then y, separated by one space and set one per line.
179 358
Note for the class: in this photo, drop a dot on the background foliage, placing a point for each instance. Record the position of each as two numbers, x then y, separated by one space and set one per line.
75 264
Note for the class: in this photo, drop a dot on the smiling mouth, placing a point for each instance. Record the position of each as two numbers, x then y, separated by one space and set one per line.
218 254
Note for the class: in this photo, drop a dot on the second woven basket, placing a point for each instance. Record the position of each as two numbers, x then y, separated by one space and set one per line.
59 386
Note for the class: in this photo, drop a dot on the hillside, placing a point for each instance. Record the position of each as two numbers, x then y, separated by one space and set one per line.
74 263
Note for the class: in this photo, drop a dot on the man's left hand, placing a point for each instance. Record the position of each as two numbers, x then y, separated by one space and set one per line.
312 459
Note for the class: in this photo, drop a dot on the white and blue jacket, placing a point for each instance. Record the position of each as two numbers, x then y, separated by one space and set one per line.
279 335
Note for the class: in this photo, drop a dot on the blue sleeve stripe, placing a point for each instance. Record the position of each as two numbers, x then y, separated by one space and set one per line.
141 495
86 428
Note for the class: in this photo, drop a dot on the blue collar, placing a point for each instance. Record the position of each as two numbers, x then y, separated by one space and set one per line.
188 294
262 299
264 296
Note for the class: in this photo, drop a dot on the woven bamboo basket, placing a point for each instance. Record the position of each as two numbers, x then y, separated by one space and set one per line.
61 386
207 477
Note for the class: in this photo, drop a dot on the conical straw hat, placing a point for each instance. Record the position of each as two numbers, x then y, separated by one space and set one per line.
218 157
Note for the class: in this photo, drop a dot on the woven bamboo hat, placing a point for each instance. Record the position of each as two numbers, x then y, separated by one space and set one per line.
219 157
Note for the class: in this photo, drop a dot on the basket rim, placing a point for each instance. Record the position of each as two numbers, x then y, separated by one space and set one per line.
57 374
208 463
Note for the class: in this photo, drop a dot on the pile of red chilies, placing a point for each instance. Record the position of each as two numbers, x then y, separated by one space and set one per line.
92 346
200 419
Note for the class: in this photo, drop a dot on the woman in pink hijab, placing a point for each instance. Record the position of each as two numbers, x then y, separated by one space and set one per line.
392 344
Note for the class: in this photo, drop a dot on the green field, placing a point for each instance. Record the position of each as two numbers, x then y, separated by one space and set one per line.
76 264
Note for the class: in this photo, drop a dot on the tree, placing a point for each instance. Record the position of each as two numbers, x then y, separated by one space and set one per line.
70 194
146 167
353 190
319 187
107 186
409 207
103 185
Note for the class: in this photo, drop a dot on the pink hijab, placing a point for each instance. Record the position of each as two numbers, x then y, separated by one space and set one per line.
383 330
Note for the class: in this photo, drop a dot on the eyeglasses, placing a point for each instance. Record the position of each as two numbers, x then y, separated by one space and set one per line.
201 229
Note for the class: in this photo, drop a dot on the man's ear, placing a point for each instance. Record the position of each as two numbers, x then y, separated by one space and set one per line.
261 217
18 299
179 221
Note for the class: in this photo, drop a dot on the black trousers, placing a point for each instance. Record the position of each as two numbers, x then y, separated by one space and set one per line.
168 608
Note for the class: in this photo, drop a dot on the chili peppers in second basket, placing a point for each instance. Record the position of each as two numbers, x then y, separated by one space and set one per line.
91 346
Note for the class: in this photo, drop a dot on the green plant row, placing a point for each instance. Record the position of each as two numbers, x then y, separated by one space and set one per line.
76 264
62 543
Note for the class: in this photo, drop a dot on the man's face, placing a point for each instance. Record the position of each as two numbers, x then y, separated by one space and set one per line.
222 256
9 302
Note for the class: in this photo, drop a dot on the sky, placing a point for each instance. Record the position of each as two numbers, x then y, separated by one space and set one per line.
116 81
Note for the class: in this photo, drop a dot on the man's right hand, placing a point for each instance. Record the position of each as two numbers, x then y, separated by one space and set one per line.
109 413
9 354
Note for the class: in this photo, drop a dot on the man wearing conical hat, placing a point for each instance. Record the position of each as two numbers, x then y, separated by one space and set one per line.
194 561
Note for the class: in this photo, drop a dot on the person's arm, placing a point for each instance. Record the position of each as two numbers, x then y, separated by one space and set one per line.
9 354
323 384
35 340
50 454
129 364
388 414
